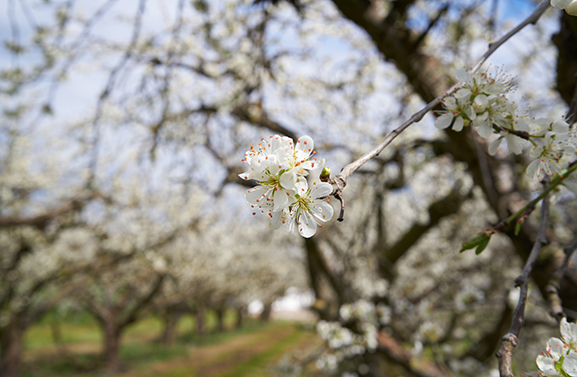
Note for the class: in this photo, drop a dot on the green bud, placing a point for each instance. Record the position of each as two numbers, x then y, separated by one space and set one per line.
326 172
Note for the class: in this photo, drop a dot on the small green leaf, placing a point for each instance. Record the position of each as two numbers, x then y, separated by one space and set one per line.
482 245
477 241
518 227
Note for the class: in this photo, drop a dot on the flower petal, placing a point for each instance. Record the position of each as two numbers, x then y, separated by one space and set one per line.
514 144
444 121
555 348
547 365
304 147
321 189
485 130
533 168
570 364
281 200
306 224
255 195
494 146
322 210
464 75
561 4
458 125
572 8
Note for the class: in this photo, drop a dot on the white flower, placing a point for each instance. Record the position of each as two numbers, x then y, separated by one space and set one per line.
561 4
569 333
560 359
570 6
540 126
309 206
557 152
474 101
546 362
290 190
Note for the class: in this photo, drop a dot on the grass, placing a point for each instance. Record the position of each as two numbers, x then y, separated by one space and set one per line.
257 363
235 353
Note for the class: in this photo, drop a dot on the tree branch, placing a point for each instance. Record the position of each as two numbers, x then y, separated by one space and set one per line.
510 340
396 352
340 181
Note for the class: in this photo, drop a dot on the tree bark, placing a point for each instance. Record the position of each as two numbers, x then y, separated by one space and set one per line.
111 345
56 331
170 321
11 353
219 319
265 314
200 314
238 323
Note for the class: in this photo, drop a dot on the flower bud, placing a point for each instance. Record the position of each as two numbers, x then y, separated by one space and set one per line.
325 174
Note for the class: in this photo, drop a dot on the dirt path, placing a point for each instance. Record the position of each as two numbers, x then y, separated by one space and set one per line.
214 360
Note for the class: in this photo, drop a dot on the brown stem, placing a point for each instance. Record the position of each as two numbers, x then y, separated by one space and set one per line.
511 339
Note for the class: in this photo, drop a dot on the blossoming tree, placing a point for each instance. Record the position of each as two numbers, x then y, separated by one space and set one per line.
356 80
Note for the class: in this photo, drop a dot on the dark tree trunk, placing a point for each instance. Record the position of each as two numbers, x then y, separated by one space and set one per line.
265 314
219 319
111 345
200 312
238 323
11 353
56 331
170 321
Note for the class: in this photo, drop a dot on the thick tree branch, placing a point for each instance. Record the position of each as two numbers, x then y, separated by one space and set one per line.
437 211
255 114
40 221
318 267
397 353
141 304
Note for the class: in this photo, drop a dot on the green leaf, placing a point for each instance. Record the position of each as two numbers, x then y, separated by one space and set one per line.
482 245
479 240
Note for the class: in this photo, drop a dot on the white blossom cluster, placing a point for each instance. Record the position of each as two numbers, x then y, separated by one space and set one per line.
345 343
558 150
570 6
560 359
290 189
482 103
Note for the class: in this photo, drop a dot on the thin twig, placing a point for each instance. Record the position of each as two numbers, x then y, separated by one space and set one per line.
521 214
532 19
510 340
340 181
93 164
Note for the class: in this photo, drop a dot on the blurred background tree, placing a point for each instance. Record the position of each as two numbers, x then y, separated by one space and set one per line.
122 129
